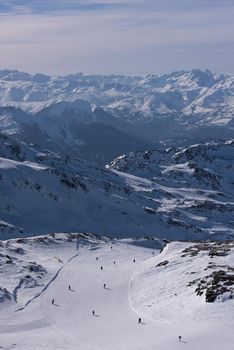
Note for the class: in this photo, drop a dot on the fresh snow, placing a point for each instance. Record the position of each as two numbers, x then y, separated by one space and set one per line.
11 164
167 308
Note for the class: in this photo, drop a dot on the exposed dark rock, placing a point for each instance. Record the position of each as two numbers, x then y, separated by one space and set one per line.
36 268
149 210
163 263
5 295
214 249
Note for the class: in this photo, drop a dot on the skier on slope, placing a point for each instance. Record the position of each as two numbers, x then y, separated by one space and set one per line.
93 313
134 260
69 287
104 285
139 320
101 268
52 302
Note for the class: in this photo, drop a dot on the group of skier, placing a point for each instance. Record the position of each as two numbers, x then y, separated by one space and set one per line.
104 286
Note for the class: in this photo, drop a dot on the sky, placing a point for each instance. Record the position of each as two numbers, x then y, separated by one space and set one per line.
116 36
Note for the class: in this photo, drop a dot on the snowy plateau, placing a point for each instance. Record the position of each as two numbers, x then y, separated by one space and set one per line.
117 211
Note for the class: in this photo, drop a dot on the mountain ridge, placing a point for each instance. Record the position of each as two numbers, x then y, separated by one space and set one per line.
184 193
178 108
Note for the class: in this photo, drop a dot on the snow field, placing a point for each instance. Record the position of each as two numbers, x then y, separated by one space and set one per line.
130 287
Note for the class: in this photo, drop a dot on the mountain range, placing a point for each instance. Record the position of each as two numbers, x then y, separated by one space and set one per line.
116 155
84 113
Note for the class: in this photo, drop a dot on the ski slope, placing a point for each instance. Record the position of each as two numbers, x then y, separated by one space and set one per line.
69 323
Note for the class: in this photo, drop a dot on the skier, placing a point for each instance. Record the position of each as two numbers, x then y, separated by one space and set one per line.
114 262
153 253
69 287
139 320
101 268
52 302
134 260
179 337
93 312
97 258
111 247
104 285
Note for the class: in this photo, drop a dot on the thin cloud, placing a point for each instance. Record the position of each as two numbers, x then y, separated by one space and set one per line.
14 7
134 37
17 7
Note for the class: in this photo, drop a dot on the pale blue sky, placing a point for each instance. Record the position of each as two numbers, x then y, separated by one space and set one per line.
116 36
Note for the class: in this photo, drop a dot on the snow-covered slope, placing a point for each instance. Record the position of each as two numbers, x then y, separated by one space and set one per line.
183 282
190 187
208 166
71 128
158 288
174 194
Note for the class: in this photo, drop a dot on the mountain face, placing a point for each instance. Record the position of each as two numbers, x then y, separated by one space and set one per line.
195 184
71 128
81 113
184 193
57 134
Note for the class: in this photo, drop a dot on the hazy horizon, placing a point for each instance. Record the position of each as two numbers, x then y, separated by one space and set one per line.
104 37
31 72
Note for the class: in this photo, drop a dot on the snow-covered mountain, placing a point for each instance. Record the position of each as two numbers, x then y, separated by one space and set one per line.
193 92
178 108
183 294
184 193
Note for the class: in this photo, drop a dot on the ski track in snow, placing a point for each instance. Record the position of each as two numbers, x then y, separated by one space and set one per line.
69 323
46 286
